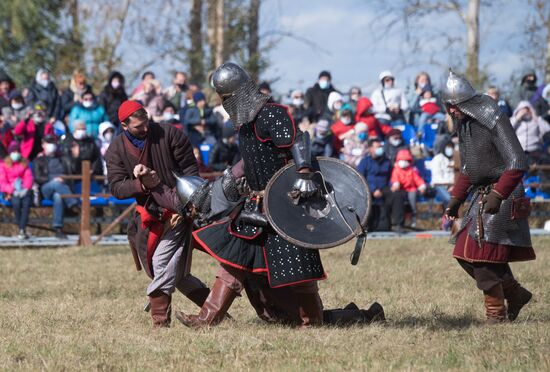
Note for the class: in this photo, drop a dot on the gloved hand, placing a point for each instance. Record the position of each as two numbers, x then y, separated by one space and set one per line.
150 179
242 186
452 208
492 202
304 186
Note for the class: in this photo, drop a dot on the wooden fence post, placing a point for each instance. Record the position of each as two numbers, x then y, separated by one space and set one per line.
85 238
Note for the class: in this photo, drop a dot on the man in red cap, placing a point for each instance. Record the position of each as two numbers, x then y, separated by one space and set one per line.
140 164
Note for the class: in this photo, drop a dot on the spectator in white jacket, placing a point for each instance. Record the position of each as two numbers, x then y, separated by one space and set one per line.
389 102
531 129
443 175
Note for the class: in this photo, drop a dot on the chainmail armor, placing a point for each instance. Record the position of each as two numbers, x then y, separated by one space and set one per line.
488 147
201 198
245 103
229 186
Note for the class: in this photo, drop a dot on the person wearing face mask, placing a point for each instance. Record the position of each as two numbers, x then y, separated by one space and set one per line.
89 111
169 115
44 90
389 102
112 96
531 130
16 185
83 147
6 87
334 105
394 143
322 139
354 96
176 91
341 127
443 175
31 130
388 208
355 145
16 110
48 169
405 178
77 87
297 108
106 134
141 162
316 97
527 91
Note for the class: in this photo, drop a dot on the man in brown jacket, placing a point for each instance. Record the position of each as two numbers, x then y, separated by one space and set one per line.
140 162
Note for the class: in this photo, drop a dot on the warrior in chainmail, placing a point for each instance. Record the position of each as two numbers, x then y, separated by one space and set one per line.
243 242
207 202
494 230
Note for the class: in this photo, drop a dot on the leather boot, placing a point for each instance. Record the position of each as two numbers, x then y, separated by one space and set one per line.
495 309
375 313
351 314
516 296
310 309
160 309
214 308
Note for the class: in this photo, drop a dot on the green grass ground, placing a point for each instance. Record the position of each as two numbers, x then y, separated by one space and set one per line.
80 309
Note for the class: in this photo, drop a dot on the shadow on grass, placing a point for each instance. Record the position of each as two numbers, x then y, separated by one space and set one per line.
439 322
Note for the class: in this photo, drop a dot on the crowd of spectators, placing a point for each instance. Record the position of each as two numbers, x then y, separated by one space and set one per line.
400 140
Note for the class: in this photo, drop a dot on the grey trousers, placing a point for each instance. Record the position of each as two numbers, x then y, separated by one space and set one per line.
169 261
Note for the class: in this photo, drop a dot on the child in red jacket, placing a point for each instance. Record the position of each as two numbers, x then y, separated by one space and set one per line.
16 184
406 178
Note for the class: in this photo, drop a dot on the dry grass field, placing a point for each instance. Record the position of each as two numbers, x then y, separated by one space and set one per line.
81 309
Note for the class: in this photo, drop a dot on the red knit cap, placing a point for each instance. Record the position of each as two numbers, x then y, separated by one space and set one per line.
128 108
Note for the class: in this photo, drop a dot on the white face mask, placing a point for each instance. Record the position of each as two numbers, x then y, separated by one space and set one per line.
449 151
87 104
323 84
15 156
49 148
346 120
17 106
115 84
403 164
388 85
168 116
395 141
79 134
337 106
297 101
108 137
43 82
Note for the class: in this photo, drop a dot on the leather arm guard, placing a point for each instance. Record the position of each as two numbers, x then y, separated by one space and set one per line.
301 151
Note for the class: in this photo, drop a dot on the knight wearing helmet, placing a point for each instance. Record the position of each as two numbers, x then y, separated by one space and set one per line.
244 243
495 229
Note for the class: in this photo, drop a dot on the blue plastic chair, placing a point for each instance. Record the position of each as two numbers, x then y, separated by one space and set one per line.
428 137
408 132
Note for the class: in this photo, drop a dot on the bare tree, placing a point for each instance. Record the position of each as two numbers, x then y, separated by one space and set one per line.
536 47
254 39
405 16
196 53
